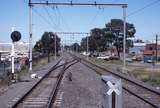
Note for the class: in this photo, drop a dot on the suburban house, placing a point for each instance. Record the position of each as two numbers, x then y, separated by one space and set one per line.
137 50
150 52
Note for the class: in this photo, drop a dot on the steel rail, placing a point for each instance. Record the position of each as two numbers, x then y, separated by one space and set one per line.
124 78
129 91
58 82
35 85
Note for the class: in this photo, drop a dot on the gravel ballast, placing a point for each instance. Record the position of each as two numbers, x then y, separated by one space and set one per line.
85 89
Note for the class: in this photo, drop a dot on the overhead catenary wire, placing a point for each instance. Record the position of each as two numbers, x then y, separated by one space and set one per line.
61 16
141 9
50 17
44 18
94 18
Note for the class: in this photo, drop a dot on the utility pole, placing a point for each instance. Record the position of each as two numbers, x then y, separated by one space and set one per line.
87 47
156 48
124 38
55 46
30 35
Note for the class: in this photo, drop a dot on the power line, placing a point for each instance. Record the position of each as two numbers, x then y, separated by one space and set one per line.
66 24
44 18
141 9
93 19
50 17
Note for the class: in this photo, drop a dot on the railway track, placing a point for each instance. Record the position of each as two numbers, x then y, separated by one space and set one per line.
140 90
43 93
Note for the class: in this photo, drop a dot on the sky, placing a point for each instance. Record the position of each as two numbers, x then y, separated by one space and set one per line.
15 13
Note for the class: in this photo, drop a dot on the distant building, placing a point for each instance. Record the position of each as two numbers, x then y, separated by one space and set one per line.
21 49
150 52
137 49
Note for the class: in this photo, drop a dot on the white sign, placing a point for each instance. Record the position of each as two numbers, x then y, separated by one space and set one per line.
112 85
113 88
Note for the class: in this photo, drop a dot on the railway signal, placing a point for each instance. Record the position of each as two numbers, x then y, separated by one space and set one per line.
15 36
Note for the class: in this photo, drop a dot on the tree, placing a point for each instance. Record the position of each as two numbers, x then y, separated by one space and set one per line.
111 35
115 27
47 44
75 47
38 46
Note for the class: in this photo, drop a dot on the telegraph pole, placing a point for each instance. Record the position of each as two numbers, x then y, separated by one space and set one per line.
156 48
55 46
30 35
87 47
124 38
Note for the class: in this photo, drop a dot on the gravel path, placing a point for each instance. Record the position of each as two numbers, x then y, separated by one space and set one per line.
84 91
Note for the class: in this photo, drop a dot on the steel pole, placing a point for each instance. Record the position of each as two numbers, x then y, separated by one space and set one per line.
55 46
30 36
87 46
156 48
12 57
124 38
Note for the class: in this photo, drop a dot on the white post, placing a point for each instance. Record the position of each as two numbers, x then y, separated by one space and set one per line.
55 46
124 38
12 57
30 36
12 53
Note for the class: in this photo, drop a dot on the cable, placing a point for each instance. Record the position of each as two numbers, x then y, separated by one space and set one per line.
44 18
93 19
58 10
146 6
50 16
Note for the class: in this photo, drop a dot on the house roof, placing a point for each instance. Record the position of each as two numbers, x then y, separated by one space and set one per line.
150 49
151 52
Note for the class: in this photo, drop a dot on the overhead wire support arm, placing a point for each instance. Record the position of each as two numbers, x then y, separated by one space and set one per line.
71 33
76 4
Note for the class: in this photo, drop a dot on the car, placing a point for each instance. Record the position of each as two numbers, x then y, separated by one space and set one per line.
104 57
129 60
149 61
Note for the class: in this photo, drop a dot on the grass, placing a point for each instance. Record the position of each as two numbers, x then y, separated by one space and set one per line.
138 72
4 80
101 61
142 74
